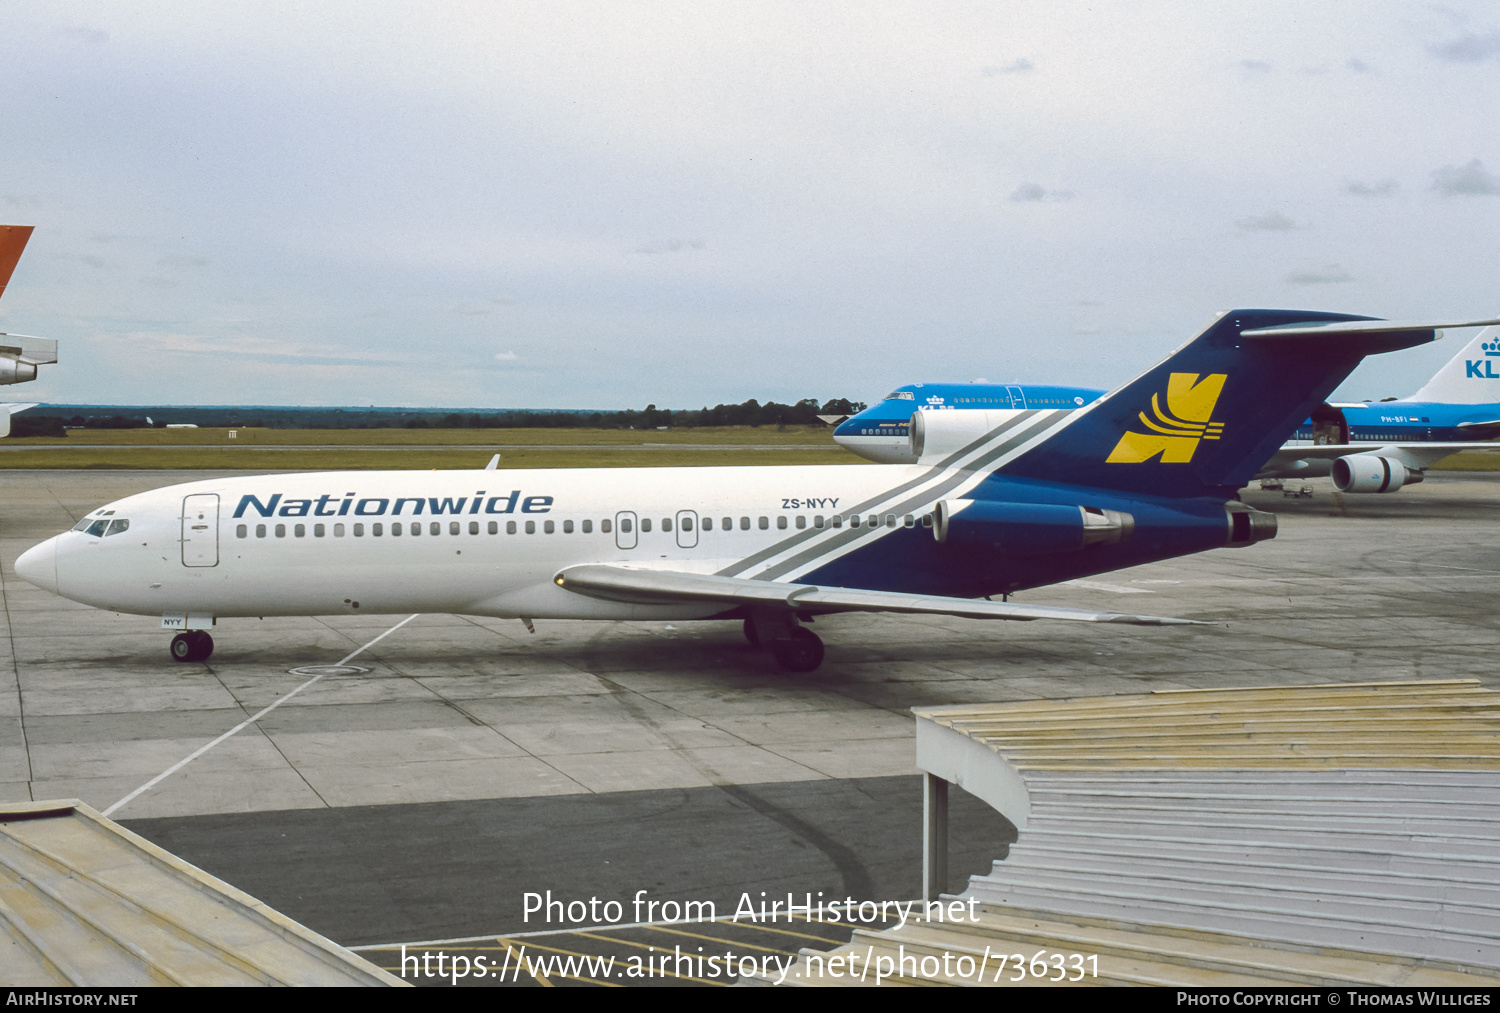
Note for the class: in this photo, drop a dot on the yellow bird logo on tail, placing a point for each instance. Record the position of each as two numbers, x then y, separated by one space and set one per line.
1176 432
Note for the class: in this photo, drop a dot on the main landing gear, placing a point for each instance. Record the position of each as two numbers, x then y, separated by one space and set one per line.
194 645
795 648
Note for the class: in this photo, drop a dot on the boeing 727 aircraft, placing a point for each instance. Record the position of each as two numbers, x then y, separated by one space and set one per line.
1145 473
1366 447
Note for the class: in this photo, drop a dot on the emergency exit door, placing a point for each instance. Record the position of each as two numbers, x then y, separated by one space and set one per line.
200 530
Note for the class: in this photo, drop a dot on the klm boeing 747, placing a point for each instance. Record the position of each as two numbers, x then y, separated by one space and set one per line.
1047 494
1366 447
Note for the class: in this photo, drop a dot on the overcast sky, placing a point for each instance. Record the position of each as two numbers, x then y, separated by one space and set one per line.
604 205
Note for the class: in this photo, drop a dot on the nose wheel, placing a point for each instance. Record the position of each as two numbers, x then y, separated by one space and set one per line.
194 645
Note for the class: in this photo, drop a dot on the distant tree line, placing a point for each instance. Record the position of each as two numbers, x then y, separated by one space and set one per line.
751 413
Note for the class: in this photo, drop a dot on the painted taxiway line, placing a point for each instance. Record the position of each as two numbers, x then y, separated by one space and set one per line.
174 768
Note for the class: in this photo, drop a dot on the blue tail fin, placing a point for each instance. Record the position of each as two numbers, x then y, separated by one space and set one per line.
1205 420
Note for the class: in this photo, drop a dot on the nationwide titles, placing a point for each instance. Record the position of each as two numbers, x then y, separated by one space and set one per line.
352 504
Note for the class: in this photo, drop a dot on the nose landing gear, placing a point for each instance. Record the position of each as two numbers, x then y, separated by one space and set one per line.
194 645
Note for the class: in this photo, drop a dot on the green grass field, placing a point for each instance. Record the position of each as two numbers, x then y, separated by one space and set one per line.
409 449
774 435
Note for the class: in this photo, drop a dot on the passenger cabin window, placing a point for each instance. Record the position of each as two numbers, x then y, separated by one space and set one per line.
318 530
645 524
510 527
764 523
781 522
548 527
241 531
531 527
744 524
375 530
260 531
567 527
605 524
359 531
300 530
588 527
338 531
801 521
494 527
281 531
666 524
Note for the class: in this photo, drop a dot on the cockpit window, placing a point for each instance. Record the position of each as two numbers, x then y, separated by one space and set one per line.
117 525
96 528
83 524
900 395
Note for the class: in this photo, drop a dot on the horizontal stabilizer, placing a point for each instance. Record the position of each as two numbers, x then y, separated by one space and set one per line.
666 587
1357 327
29 348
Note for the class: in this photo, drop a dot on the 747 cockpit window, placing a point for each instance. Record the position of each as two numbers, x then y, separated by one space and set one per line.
900 395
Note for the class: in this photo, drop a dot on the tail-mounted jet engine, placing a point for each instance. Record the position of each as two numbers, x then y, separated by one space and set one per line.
1372 473
1028 529
1248 525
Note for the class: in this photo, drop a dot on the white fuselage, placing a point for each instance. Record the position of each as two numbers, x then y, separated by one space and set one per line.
475 542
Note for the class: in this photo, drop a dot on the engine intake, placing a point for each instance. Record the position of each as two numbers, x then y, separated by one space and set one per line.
1372 473
1028 529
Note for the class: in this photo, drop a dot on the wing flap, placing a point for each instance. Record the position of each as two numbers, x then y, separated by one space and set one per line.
663 587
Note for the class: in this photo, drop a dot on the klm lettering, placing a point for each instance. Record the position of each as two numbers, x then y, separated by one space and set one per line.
1472 370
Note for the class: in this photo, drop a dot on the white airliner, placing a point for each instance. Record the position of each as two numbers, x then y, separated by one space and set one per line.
1048 495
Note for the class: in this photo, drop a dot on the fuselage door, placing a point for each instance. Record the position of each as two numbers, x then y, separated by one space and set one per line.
200 530
687 529
1017 397
625 530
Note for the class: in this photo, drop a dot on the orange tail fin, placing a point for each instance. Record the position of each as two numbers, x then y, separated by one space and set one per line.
12 242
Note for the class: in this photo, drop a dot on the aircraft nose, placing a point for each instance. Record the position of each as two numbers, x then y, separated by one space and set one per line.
38 565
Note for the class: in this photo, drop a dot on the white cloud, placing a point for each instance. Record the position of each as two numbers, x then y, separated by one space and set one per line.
506 356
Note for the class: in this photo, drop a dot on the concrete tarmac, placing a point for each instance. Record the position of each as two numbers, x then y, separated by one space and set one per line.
474 762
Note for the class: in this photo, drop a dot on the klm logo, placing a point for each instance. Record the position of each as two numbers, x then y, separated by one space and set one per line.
1483 369
1176 432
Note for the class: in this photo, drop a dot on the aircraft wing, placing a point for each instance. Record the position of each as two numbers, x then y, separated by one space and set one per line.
613 582
1417 456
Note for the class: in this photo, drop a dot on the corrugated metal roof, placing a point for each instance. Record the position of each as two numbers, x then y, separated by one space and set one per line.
1303 835
86 902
